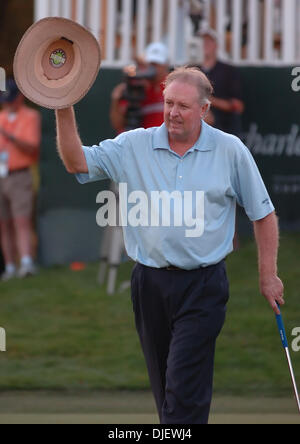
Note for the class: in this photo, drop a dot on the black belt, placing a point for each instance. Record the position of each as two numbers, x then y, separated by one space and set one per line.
169 268
173 268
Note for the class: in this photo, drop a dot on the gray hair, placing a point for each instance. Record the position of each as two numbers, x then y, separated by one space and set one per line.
193 76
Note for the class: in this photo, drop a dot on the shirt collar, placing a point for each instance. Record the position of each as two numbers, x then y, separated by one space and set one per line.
204 143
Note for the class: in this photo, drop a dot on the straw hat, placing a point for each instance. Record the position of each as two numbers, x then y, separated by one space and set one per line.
56 63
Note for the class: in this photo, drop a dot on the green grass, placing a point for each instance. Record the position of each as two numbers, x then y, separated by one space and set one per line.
65 332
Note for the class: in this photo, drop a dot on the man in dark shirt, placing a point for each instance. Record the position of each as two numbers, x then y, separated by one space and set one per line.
227 103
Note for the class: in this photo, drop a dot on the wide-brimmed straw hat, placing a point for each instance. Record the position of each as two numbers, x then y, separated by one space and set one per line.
56 63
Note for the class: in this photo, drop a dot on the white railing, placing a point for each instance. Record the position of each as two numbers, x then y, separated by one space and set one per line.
251 32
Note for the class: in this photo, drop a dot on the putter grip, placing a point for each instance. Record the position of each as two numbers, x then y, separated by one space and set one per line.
282 330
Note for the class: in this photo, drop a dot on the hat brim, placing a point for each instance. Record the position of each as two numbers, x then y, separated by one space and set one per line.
158 60
212 34
38 73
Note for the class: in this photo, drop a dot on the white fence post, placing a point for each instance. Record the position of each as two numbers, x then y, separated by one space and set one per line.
81 9
126 30
119 34
111 31
41 9
142 26
289 31
237 30
254 31
269 31
221 26
172 30
66 9
206 14
298 31
94 19
55 8
157 20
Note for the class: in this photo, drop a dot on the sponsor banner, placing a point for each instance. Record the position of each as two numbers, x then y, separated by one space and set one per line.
271 130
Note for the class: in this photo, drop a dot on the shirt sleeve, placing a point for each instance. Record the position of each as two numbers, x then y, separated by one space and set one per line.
249 187
104 161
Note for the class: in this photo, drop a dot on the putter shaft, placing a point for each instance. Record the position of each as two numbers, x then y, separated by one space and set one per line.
292 376
285 344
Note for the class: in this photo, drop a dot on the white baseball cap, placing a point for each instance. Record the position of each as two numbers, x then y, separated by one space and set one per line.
209 32
157 53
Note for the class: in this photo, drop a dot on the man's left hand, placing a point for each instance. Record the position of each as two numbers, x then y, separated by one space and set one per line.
272 289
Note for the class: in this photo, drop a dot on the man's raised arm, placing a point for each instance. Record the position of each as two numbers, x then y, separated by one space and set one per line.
267 239
69 143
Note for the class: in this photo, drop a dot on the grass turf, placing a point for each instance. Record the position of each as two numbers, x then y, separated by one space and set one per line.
64 332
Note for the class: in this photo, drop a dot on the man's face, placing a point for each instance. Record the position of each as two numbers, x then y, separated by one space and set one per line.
210 46
183 112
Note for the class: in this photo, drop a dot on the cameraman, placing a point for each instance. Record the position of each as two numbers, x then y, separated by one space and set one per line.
151 108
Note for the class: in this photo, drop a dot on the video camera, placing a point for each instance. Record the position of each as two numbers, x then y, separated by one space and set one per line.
135 93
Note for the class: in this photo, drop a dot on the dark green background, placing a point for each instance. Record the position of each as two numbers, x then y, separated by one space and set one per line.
275 108
67 211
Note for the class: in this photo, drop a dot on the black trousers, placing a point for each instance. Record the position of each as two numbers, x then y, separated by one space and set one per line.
179 315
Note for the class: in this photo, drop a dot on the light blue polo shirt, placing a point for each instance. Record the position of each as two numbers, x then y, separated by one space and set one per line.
214 175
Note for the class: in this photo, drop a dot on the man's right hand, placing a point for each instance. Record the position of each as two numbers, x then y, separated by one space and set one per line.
118 92
237 106
118 109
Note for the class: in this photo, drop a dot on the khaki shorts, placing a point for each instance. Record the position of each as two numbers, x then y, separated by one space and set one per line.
16 195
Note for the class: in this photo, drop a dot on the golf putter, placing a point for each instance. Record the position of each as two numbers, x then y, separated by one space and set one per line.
286 348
